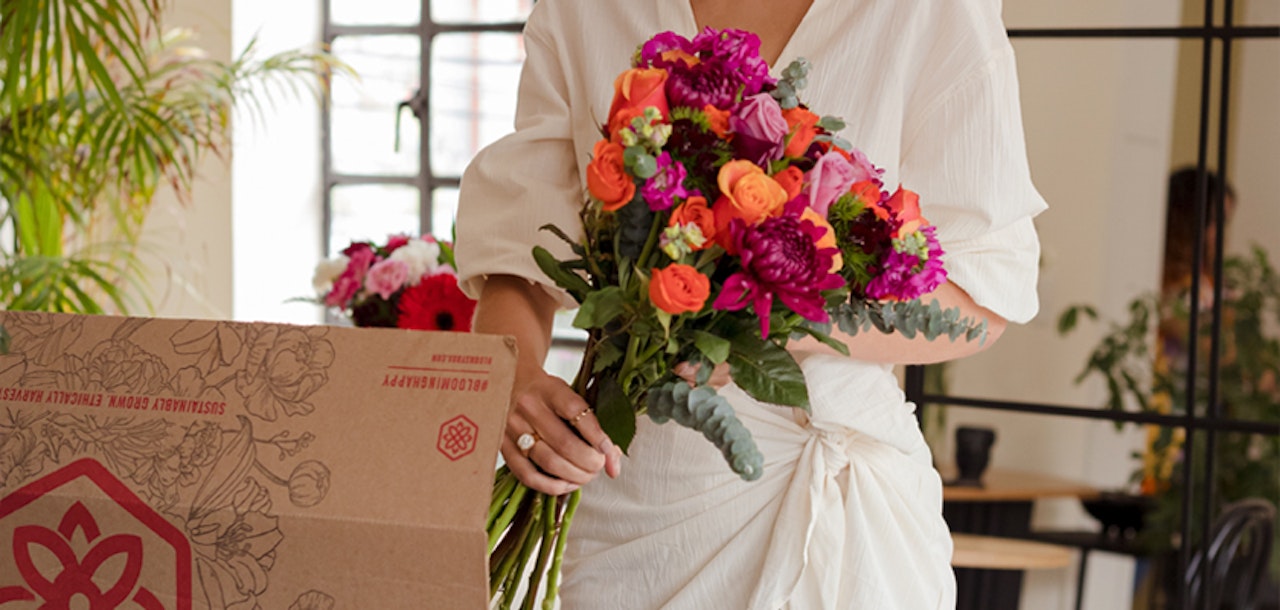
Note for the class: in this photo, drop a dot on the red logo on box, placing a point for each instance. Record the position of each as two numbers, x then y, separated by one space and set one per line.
457 437
78 529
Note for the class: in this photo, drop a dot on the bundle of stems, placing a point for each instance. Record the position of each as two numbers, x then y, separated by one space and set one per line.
524 524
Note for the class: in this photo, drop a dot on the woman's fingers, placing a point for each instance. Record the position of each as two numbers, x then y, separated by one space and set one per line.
568 450
586 423
529 474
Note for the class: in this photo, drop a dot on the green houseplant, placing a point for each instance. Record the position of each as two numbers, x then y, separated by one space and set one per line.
1154 380
100 107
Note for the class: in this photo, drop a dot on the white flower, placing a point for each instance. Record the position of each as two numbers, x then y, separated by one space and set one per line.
328 271
420 255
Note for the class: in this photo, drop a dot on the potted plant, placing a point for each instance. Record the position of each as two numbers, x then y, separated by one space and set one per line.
100 106
1140 377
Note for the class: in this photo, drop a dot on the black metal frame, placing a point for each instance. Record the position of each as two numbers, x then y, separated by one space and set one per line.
1211 422
426 180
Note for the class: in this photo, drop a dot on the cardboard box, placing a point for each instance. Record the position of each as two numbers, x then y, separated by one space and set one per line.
176 464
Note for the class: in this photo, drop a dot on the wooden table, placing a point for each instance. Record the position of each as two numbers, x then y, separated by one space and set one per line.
1001 508
1000 485
992 553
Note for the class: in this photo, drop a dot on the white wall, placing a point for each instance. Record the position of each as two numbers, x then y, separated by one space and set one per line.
187 246
276 195
240 249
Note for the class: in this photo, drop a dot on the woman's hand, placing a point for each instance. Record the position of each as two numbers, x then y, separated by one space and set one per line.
569 447
689 372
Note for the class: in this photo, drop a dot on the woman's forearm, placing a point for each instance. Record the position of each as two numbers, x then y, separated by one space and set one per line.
875 346
511 305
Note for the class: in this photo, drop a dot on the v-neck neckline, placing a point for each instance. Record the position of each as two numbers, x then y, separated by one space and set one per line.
689 23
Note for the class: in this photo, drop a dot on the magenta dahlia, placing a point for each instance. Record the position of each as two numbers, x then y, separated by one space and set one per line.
780 257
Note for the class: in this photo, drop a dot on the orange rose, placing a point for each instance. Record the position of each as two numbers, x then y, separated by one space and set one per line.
869 193
635 90
621 120
718 119
804 126
828 239
751 195
906 205
678 289
607 178
792 181
694 211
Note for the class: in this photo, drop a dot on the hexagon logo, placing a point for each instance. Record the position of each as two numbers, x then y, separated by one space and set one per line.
56 532
457 438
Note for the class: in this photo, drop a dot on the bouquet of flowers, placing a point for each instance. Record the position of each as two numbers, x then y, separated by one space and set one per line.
409 282
725 218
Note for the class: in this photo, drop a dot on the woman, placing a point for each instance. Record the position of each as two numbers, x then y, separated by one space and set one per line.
848 512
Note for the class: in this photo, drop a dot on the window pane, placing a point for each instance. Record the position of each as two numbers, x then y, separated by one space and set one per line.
473 95
484 11
363 120
444 210
382 12
371 212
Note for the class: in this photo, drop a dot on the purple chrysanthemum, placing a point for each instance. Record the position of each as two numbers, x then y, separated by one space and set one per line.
662 189
911 269
780 258
728 65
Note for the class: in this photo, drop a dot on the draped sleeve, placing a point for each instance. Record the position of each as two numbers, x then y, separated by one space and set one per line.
524 180
965 154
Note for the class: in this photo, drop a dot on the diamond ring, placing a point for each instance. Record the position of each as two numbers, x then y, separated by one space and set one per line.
525 442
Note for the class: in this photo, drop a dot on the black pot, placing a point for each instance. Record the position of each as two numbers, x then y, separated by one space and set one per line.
1121 514
973 454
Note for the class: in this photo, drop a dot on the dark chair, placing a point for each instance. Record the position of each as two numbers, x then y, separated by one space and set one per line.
1230 574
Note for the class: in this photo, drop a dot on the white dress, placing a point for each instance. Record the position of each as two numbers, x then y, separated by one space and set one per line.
848 514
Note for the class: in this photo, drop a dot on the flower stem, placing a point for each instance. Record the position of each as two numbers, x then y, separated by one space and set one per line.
549 531
553 575
504 520
505 484
532 538
654 230
512 563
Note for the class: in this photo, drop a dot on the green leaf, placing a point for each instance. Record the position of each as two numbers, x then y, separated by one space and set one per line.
600 308
607 354
568 280
766 372
5 340
714 347
615 413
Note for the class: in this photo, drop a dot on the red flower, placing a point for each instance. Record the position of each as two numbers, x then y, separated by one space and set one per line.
436 303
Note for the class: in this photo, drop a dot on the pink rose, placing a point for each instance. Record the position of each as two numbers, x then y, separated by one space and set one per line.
760 131
386 277
830 177
862 167
360 256
395 241
344 289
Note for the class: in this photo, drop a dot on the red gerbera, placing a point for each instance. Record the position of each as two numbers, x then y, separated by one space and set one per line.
436 303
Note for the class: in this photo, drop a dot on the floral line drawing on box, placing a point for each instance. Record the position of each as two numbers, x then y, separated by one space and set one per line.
205 477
